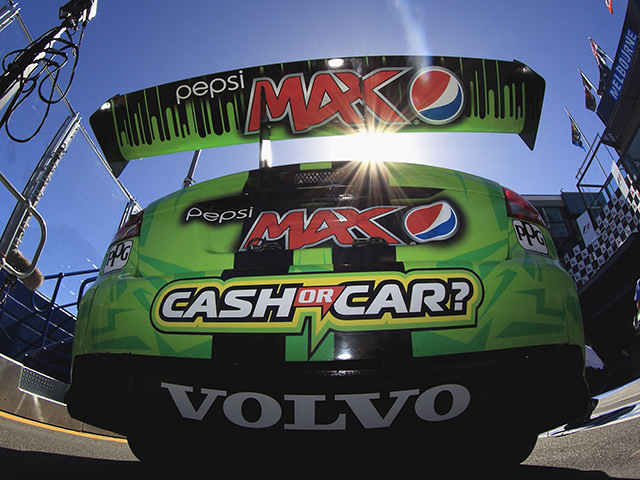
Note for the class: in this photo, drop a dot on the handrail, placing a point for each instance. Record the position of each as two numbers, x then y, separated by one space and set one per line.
83 285
53 305
55 324
61 276
43 232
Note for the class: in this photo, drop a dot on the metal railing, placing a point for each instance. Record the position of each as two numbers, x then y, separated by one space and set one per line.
46 308
53 306
28 209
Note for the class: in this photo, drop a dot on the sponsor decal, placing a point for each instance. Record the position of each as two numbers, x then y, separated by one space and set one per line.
348 226
335 94
530 236
436 96
217 216
342 225
118 256
321 97
429 223
363 301
304 411
210 88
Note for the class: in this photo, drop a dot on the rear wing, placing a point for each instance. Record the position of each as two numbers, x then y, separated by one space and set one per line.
322 97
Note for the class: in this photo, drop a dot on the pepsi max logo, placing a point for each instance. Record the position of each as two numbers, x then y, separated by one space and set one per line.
436 96
430 223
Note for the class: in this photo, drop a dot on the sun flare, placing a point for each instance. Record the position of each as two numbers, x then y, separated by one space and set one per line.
374 147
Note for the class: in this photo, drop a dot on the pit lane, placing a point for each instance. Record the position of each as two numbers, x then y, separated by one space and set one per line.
605 446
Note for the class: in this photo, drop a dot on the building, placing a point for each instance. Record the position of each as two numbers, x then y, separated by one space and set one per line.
596 233
605 266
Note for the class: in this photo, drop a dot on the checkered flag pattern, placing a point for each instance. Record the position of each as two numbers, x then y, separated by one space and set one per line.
618 220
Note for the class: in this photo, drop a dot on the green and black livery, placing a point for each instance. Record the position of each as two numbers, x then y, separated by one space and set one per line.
367 93
350 301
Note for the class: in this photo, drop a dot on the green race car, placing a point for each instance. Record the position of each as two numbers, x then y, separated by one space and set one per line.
356 302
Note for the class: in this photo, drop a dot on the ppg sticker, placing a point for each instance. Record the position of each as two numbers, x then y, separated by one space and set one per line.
530 237
117 257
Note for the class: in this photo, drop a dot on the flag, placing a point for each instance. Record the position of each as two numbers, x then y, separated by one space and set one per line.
589 98
576 133
601 60
601 56
605 73
609 4
576 137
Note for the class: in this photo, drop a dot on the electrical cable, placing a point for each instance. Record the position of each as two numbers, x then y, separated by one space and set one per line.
52 62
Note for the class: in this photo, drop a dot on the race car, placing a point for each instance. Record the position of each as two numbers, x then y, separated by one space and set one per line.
345 303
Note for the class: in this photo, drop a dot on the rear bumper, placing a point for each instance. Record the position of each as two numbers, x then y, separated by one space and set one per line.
511 307
538 388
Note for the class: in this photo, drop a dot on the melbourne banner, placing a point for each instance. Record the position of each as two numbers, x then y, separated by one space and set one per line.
322 97
622 65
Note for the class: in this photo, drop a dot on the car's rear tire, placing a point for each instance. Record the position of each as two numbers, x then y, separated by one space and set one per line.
521 446
153 440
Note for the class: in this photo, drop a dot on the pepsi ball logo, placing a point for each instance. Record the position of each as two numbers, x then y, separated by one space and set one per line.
429 223
436 95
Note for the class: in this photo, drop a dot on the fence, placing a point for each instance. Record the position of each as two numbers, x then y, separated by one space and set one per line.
82 207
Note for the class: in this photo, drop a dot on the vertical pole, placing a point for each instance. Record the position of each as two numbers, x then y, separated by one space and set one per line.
265 159
588 144
188 181
33 191
368 119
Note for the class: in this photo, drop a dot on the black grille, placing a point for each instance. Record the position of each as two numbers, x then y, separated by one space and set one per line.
316 177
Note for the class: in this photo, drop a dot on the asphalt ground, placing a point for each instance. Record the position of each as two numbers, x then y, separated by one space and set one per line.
607 446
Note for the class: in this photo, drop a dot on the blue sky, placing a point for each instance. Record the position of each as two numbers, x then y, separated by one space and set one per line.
131 45
136 44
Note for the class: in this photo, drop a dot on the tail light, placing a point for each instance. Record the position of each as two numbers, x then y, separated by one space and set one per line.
519 207
131 228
